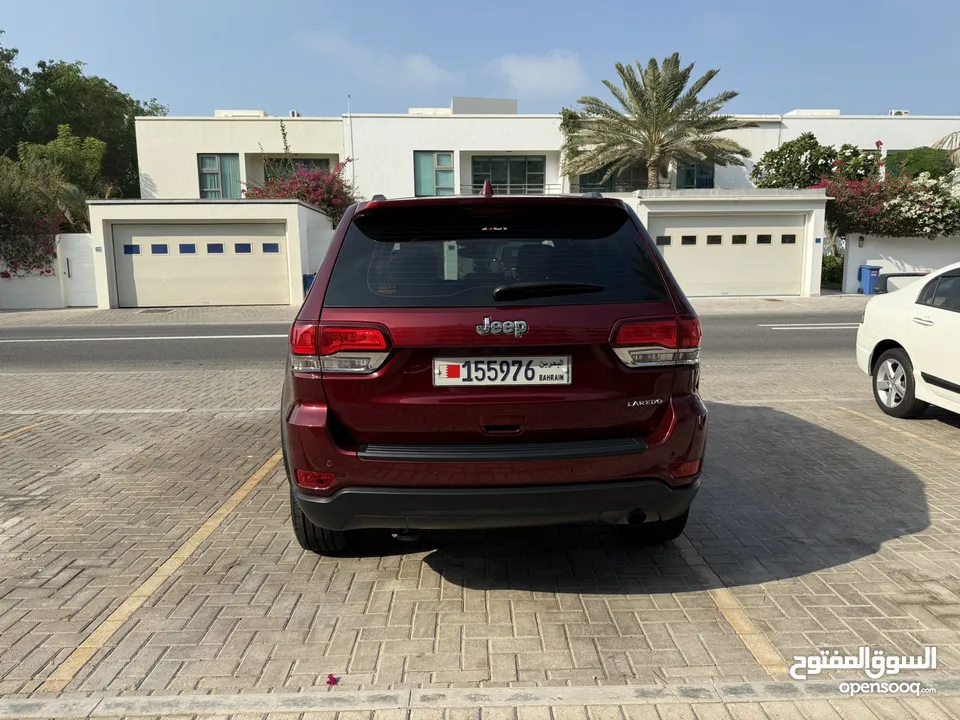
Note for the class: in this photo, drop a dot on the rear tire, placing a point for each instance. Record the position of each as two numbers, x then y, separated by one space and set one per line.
662 531
312 537
894 387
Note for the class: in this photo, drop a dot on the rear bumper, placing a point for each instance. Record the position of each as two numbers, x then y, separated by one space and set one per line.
473 508
495 485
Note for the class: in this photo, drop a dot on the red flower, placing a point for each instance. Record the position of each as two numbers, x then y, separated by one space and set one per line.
879 144
5 275
332 680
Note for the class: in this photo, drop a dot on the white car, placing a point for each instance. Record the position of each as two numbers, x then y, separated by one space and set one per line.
909 342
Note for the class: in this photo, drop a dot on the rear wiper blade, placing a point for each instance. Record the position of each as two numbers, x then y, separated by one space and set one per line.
544 288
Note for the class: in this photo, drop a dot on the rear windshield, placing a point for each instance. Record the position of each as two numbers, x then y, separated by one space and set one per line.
458 256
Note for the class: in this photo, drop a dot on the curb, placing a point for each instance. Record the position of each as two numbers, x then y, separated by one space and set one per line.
75 706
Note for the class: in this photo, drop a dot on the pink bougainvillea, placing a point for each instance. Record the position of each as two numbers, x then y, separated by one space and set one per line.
28 245
328 190
900 206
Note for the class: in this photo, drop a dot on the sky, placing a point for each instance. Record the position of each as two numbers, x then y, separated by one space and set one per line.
195 56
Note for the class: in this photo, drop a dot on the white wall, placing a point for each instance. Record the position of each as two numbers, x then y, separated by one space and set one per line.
104 214
317 232
167 148
32 292
39 292
384 145
896 255
896 133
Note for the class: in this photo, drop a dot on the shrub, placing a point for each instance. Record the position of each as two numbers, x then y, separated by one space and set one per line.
832 269
329 191
30 217
895 207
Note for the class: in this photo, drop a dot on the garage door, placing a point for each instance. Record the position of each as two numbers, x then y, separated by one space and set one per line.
217 264
713 255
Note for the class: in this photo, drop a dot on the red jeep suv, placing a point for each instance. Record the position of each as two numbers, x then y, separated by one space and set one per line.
492 361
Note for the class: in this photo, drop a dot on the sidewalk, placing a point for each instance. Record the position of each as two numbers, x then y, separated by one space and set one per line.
69 317
264 314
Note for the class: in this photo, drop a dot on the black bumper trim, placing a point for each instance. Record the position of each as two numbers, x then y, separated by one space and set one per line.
476 508
503 452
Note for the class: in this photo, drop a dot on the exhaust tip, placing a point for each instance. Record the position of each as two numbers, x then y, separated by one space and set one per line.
407 536
637 517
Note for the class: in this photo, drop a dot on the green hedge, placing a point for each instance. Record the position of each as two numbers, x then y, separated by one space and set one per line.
832 269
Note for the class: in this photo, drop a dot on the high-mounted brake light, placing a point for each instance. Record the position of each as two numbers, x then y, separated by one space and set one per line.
318 348
658 342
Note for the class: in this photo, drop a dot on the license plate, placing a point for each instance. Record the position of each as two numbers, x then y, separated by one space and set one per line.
502 371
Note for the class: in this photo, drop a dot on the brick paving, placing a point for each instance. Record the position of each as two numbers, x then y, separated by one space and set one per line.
830 532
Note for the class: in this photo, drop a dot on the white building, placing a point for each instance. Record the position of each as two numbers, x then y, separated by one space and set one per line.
192 241
453 150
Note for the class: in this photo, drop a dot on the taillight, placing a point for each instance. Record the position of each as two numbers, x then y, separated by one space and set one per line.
334 340
303 338
320 348
658 342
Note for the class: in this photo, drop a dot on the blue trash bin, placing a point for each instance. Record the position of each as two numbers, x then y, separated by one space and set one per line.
307 282
868 275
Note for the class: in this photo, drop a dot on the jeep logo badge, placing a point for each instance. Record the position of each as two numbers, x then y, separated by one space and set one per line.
508 327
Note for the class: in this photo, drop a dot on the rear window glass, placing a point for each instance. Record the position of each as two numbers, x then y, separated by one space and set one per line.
457 256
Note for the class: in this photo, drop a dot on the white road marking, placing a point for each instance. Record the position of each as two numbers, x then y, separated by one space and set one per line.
811 326
140 338
838 327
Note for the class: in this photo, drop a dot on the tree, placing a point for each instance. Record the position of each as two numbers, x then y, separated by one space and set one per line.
30 215
950 143
804 162
660 119
59 93
80 159
933 161
11 100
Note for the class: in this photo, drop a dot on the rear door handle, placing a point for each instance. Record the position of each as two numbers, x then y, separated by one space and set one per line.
68 268
925 321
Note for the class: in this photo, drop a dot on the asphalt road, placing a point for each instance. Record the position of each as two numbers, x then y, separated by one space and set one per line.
747 339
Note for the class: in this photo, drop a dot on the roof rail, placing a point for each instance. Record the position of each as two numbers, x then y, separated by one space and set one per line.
378 197
592 195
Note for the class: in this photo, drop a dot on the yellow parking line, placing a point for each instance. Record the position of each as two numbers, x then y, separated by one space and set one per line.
905 433
18 431
756 642
69 668
764 651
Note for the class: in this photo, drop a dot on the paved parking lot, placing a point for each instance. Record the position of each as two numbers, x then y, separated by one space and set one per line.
125 582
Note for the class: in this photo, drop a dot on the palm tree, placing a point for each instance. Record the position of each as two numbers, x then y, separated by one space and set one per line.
660 119
950 143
